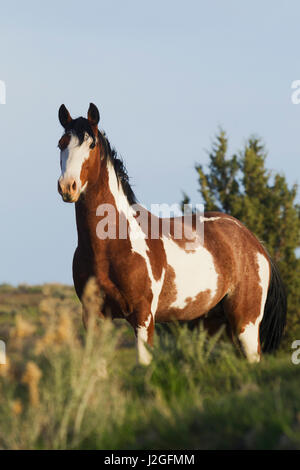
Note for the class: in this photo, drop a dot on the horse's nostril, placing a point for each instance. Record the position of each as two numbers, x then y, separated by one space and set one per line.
74 186
59 187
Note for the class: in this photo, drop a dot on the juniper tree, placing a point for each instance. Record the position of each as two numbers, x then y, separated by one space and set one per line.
242 186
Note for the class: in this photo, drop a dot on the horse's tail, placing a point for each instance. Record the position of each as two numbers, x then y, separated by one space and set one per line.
274 319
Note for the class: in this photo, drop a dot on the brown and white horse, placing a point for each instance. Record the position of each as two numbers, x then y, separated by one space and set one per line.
149 279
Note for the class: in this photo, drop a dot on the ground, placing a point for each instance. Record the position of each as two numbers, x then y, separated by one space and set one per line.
63 387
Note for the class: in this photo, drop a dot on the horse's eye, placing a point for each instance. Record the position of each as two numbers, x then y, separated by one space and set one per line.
92 145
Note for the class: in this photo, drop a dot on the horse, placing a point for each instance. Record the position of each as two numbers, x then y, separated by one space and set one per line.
148 279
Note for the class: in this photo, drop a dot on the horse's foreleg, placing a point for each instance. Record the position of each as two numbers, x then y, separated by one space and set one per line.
143 324
92 301
144 335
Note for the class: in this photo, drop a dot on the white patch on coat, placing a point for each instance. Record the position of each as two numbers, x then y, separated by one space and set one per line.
143 355
249 342
136 234
212 219
194 272
250 335
83 187
208 219
72 159
264 276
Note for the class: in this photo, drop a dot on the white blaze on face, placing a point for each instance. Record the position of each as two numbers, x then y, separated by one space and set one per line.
72 159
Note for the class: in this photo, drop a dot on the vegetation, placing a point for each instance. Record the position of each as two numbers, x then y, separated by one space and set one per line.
63 388
242 186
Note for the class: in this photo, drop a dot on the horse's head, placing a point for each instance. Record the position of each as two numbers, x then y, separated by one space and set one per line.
78 152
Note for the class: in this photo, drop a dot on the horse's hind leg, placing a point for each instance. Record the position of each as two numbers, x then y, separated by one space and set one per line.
244 321
244 309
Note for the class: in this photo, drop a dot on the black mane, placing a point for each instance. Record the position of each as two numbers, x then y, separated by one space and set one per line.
119 168
79 127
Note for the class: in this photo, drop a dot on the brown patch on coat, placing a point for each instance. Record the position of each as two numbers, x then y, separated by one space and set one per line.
64 142
194 308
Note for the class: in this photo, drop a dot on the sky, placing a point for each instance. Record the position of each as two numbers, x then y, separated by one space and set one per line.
165 76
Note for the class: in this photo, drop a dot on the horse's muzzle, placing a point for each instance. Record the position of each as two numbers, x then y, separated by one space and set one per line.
68 190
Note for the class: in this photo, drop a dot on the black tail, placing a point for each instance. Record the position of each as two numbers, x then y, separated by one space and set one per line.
273 322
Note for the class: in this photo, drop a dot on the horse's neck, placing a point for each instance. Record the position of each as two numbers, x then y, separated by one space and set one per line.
106 191
115 192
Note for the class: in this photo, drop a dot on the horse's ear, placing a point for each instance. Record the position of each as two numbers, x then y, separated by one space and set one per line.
93 114
64 116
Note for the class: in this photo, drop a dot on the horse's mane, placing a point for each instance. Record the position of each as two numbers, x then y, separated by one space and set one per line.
79 127
119 167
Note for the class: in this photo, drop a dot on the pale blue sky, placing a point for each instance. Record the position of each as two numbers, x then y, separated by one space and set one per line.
164 74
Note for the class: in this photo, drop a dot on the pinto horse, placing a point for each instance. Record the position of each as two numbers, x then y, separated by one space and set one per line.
147 279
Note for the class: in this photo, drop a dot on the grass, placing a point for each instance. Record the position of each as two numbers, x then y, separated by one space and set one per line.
64 388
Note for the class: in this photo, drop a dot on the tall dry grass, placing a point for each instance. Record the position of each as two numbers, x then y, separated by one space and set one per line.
66 388
59 380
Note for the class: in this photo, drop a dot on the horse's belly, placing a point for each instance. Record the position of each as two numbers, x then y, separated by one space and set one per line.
191 311
191 283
